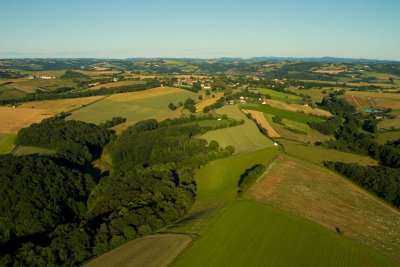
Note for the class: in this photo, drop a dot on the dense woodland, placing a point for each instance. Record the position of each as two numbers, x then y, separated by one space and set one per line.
54 212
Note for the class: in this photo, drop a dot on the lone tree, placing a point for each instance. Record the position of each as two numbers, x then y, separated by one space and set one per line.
171 106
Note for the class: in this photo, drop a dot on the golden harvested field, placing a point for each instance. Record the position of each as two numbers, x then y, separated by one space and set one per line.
124 97
260 118
52 107
13 119
208 101
383 85
97 73
297 108
116 84
328 71
373 99
322 196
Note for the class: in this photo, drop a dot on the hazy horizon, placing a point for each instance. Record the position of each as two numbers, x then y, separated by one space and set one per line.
190 29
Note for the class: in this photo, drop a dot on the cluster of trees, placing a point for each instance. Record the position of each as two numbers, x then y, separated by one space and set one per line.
328 127
102 91
53 214
190 105
69 74
218 104
249 177
76 141
198 118
38 197
113 122
7 74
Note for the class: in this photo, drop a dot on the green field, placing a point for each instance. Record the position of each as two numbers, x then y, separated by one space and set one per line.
294 116
275 95
132 109
28 150
246 233
390 124
217 183
319 154
244 138
6 143
383 137
30 86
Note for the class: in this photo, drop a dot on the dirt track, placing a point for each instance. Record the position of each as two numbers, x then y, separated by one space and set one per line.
259 117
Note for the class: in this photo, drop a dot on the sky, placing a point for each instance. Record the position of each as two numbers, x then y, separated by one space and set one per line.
200 29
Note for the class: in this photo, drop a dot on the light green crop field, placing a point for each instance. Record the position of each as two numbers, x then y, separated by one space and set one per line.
294 116
217 183
383 137
246 233
296 125
390 124
134 106
275 95
6 143
210 123
319 154
244 138
28 150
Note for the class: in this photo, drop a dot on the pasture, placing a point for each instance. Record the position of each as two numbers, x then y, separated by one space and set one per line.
135 106
217 183
280 96
30 86
6 143
246 233
383 137
317 194
244 138
290 115
389 124
154 250
318 154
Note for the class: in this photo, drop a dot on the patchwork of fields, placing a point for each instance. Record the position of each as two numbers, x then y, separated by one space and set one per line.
373 99
244 138
135 106
280 96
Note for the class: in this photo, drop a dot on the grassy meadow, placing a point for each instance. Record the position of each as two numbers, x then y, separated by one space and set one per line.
246 233
275 95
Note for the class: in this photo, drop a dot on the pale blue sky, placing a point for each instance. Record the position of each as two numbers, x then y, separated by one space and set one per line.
206 29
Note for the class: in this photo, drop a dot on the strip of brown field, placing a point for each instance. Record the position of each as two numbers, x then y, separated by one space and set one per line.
322 196
298 108
144 94
209 101
153 250
260 118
